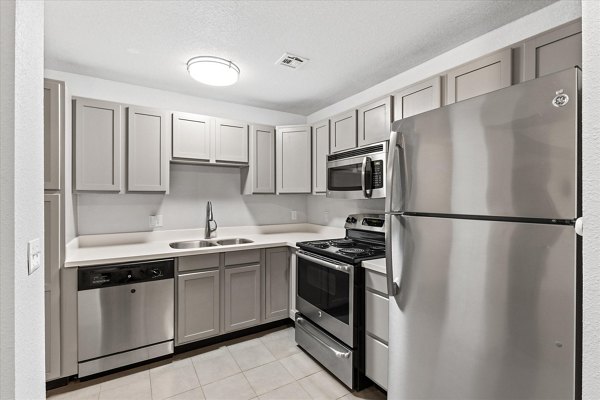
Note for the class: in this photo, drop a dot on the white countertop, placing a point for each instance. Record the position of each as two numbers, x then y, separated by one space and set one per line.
377 265
123 247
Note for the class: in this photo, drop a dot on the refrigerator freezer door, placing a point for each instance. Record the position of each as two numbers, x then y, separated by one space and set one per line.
510 153
486 310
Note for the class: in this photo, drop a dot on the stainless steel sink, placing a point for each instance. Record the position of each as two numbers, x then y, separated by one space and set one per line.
192 244
231 241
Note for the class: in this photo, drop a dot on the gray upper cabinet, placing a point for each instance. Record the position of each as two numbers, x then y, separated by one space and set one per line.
343 131
231 141
277 283
260 175
53 125
97 145
198 311
481 76
552 51
192 136
293 150
148 150
52 261
242 297
374 120
418 98
320 150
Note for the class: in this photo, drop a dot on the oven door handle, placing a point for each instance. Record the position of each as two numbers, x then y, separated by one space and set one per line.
345 268
366 177
337 353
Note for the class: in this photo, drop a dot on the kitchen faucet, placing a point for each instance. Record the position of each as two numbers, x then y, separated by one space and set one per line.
208 230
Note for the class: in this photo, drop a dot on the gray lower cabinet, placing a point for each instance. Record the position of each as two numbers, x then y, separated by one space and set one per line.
192 136
343 131
376 327
293 155
374 120
418 98
277 283
198 305
320 150
231 141
97 145
552 51
242 297
53 125
52 260
480 76
148 150
259 177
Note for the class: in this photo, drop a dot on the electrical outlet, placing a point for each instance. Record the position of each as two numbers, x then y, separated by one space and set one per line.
294 215
155 221
326 217
34 255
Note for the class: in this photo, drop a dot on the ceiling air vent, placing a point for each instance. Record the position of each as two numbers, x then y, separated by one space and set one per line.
292 61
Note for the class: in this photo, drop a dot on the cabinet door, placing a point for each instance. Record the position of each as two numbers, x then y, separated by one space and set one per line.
293 159
148 162
262 158
343 131
191 136
376 361
552 52
418 98
97 145
374 120
198 308
481 76
53 120
277 283
320 150
231 141
242 297
52 259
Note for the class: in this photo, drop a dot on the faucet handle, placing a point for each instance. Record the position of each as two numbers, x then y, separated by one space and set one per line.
211 229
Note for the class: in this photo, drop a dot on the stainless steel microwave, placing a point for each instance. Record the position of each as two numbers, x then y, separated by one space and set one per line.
359 173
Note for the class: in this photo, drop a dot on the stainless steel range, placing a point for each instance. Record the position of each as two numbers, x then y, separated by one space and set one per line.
330 296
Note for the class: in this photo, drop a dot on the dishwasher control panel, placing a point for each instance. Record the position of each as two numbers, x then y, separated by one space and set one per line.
122 274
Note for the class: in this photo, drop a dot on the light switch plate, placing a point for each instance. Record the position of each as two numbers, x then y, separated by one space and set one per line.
34 255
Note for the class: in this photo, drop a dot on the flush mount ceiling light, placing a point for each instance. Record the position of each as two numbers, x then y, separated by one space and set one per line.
214 71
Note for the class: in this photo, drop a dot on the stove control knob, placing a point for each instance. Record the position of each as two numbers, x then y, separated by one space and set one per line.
320 314
351 220
156 273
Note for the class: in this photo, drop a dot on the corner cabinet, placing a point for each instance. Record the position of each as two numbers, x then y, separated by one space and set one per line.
97 145
320 150
148 150
418 98
198 305
259 177
481 76
192 135
231 141
343 131
552 51
293 150
277 283
242 297
374 121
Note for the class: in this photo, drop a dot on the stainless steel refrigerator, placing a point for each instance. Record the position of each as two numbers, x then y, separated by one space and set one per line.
483 256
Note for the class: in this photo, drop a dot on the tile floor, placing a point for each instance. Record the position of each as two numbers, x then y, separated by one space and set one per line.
263 366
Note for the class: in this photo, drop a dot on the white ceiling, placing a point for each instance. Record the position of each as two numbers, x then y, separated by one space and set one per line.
352 45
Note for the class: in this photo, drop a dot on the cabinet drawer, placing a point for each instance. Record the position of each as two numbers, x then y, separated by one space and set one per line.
376 365
202 261
376 281
242 257
376 314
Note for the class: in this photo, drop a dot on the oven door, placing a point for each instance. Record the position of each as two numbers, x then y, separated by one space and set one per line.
325 294
360 177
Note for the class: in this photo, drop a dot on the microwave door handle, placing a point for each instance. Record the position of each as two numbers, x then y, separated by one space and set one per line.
367 177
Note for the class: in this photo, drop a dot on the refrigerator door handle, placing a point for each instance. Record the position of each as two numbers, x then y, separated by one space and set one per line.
367 178
393 285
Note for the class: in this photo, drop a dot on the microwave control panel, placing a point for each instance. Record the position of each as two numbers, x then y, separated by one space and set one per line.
378 174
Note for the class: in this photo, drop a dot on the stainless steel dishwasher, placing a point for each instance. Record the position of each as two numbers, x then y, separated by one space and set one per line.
125 314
